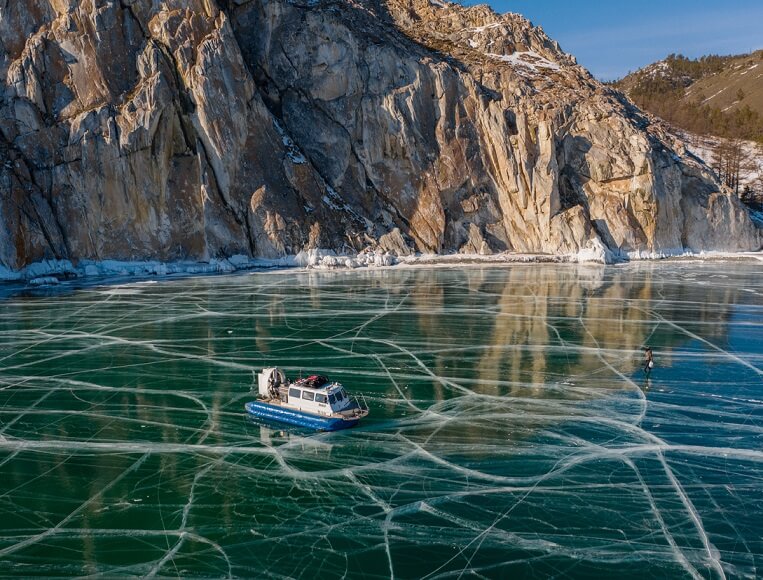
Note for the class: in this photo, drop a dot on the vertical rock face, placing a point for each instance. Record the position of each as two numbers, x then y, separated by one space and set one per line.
172 129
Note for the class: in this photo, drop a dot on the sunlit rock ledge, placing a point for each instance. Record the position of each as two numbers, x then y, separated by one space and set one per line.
53 272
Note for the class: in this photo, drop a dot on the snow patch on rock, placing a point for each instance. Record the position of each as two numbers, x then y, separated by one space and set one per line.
528 59
328 259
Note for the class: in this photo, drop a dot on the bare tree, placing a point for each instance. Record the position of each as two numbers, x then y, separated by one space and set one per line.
733 162
736 161
722 161
749 173
757 182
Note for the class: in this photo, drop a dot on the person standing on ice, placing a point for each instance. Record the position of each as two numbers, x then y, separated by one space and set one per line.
648 362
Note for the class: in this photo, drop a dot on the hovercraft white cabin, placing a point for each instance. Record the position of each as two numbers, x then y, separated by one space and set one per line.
313 402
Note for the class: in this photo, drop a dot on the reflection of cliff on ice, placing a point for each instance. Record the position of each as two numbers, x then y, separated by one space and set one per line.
507 429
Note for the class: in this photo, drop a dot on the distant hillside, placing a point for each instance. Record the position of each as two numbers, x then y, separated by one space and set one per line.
712 95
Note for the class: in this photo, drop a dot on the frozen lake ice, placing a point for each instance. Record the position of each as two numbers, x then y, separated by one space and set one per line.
512 433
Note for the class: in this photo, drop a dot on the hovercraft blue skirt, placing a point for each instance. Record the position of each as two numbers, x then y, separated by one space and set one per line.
270 412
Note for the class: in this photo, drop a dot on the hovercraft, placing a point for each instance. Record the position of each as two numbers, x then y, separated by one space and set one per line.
313 402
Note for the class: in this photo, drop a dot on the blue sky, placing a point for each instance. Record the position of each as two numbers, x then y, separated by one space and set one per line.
613 38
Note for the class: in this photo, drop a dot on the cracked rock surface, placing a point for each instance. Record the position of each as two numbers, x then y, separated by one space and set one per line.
169 129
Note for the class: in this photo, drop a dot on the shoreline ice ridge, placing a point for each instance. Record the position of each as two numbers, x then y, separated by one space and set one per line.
51 272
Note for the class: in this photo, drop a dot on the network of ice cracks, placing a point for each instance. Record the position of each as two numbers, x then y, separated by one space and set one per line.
511 429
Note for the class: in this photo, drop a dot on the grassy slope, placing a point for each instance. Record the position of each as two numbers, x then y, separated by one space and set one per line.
703 95
720 90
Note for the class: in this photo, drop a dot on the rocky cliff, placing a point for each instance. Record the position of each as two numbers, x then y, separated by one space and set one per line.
192 129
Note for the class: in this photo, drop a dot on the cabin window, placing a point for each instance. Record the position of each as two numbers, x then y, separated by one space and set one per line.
295 393
332 399
344 395
339 396
320 398
308 396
